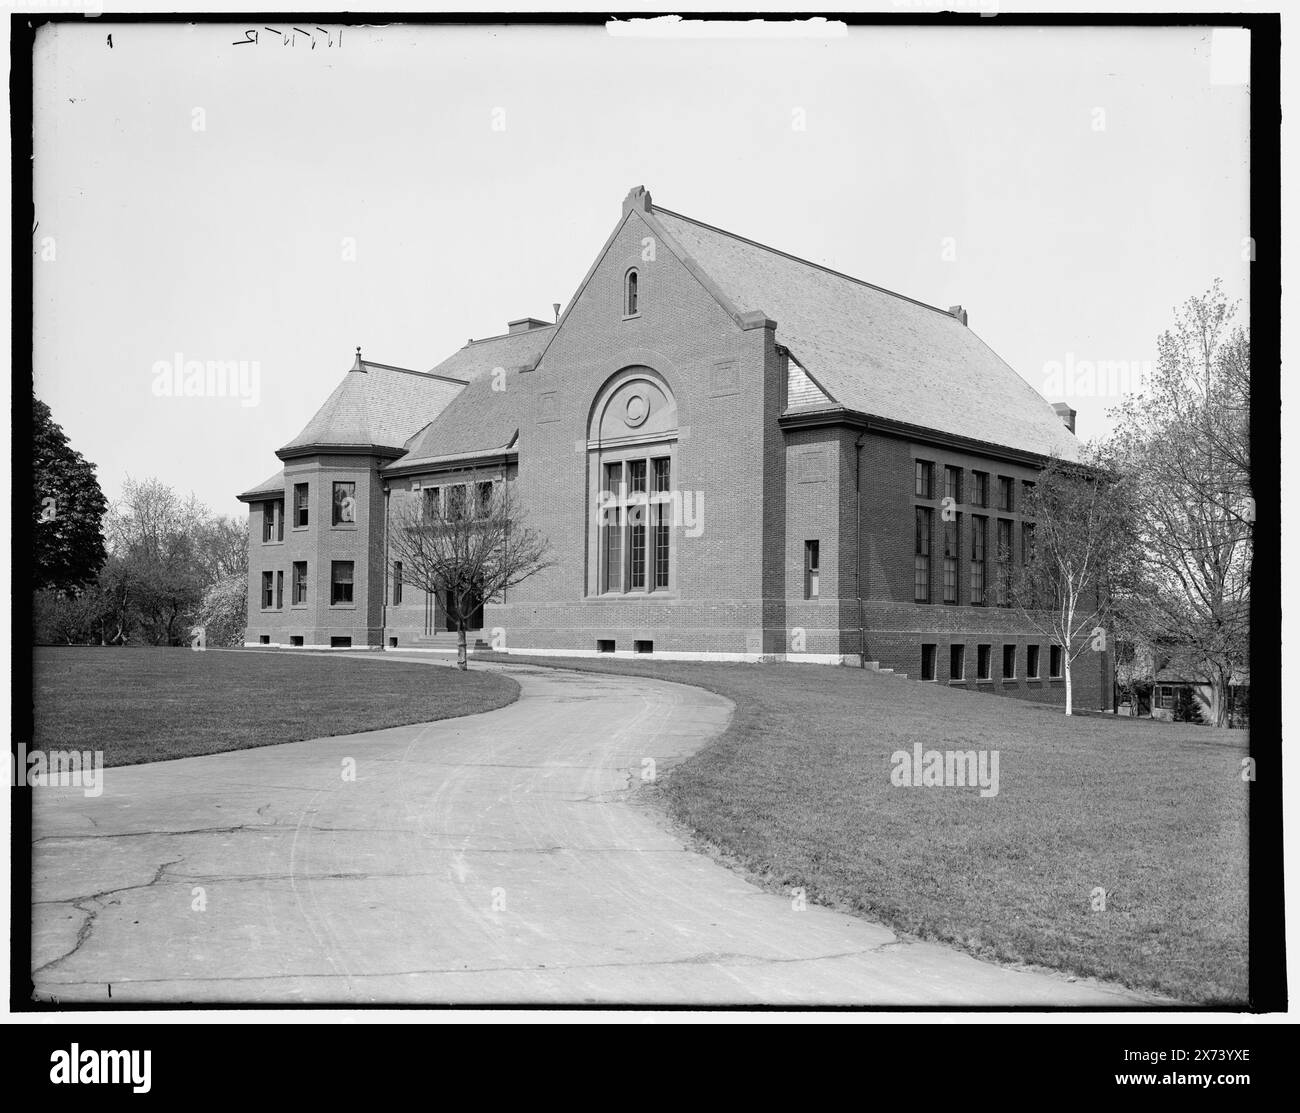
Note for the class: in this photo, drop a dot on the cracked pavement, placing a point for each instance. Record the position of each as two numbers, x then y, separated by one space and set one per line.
502 858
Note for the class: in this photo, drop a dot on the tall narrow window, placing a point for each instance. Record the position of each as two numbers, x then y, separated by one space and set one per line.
637 476
345 504
663 511
663 475
300 581
980 497
1054 662
432 503
922 562
273 520
267 589
1027 557
957 662
1027 489
614 479
340 582
279 590
924 479
299 505
1006 549
929 653
630 303
1008 662
951 554
1031 662
978 543
397 582
1006 493
983 662
484 492
637 538
812 569
952 483
457 504
613 529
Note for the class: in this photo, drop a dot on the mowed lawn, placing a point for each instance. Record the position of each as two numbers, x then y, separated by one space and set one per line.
797 793
152 704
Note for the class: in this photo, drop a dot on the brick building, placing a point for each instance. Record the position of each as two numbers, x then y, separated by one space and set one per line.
734 453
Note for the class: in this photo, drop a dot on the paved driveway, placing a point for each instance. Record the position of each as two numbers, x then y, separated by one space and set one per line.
498 858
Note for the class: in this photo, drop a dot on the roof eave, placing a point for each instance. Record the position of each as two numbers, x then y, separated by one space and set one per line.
855 419
450 462
295 451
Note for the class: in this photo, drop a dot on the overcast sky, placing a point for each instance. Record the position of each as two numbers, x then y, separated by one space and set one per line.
1068 187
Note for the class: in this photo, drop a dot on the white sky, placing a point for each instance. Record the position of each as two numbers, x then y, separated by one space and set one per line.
226 243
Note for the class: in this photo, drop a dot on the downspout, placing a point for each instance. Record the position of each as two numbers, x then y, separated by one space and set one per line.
857 537
383 632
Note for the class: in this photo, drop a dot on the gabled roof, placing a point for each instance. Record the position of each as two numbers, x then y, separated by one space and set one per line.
873 351
376 405
487 414
479 420
509 350
274 485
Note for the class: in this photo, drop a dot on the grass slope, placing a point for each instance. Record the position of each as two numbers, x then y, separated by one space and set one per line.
798 793
147 704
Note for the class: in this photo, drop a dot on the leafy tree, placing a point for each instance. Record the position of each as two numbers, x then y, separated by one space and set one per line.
1185 440
223 612
221 548
1080 551
158 577
472 549
68 546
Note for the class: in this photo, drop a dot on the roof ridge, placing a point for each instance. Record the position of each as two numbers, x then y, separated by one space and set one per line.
412 371
799 259
505 335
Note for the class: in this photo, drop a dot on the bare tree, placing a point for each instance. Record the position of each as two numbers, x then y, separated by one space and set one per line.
471 548
1186 441
1078 551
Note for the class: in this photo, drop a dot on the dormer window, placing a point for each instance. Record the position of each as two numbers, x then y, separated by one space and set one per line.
630 294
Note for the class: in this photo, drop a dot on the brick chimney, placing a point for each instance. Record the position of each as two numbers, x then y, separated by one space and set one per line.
525 324
1065 413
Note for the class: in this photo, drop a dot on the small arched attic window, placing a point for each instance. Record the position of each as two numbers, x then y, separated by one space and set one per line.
630 294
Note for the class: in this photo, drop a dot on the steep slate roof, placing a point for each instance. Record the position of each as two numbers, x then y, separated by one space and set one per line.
271 486
876 352
477 420
376 404
510 350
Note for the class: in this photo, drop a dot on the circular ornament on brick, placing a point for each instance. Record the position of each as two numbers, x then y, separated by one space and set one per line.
638 409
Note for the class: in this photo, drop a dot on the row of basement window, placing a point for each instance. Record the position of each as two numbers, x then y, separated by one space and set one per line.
984 662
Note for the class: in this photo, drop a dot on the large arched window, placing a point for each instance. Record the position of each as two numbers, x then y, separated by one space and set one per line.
632 476
630 294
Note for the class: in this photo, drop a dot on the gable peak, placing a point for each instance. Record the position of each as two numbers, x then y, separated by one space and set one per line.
638 197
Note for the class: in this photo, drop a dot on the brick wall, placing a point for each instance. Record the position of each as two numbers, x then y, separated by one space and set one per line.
319 544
